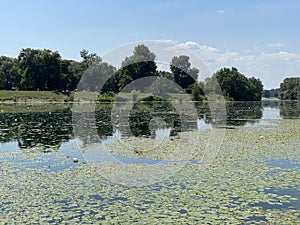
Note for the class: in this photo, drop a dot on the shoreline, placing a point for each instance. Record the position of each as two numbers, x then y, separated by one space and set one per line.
48 97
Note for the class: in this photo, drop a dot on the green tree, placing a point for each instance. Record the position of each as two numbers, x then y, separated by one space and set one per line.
15 76
41 69
2 81
255 89
70 74
124 80
165 74
235 85
96 72
267 93
164 83
140 64
9 73
197 91
89 59
30 65
272 93
50 70
141 53
73 75
290 89
184 75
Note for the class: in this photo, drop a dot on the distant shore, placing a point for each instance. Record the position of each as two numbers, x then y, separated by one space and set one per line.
34 97
44 97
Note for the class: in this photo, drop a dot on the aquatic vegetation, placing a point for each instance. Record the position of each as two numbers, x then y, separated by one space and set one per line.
242 185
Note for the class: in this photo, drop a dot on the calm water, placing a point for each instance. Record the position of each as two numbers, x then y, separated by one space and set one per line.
48 134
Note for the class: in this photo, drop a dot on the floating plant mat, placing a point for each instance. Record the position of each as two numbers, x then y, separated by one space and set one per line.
185 146
230 191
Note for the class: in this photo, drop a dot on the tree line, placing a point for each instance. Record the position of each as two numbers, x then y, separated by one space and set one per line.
45 70
289 90
271 93
42 70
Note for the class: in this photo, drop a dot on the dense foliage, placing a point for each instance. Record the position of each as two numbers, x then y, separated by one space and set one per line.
235 85
39 70
140 64
184 75
272 93
45 70
290 89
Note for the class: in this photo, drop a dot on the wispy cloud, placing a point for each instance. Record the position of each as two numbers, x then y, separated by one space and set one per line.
169 4
194 45
221 11
275 45
271 68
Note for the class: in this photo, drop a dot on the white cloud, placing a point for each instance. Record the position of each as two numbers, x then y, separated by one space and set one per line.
275 45
194 45
271 68
282 56
190 45
220 11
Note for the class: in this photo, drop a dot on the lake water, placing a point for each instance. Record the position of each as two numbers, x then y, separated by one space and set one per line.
253 179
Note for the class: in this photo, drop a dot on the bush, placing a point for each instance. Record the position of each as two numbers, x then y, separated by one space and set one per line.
106 97
135 95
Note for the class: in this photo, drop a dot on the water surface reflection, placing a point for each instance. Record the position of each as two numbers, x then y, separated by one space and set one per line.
52 132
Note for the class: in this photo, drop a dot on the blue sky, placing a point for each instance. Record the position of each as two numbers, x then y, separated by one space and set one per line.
259 37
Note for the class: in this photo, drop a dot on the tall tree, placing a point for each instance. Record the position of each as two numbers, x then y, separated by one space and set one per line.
89 59
235 85
30 65
9 73
141 53
41 69
50 68
290 88
140 64
255 89
75 72
272 93
184 75
96 72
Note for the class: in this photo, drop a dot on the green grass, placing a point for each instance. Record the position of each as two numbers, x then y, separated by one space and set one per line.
25 107
48 96
33 96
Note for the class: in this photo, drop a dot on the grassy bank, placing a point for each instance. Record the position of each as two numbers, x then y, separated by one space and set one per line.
25 108
48 97
33 96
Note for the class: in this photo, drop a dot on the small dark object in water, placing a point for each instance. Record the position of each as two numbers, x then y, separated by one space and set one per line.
137 151
75 160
